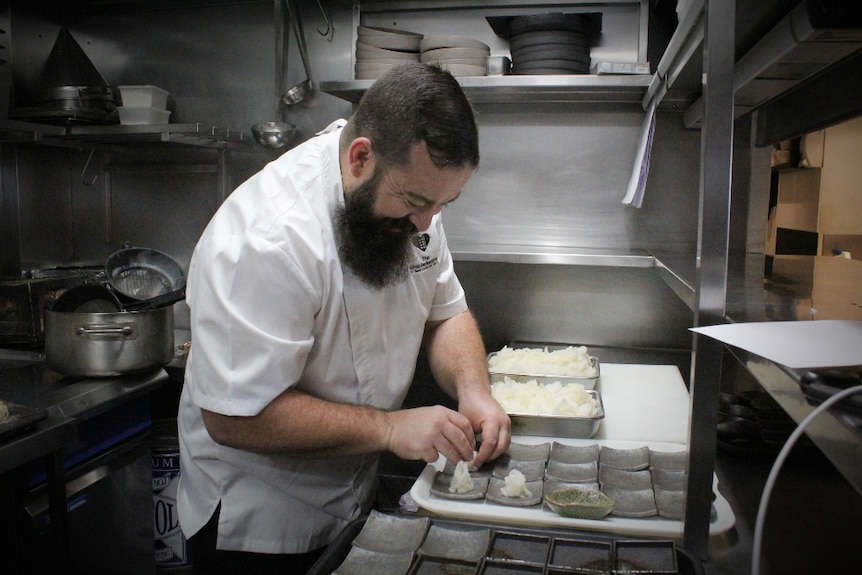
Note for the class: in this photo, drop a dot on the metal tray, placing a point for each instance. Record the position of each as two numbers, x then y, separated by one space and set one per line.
19 419
559 425
504 548
587 382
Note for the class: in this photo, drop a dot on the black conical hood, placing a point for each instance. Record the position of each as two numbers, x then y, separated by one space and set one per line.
68 65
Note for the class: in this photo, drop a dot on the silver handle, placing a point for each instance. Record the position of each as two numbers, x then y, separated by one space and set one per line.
118 331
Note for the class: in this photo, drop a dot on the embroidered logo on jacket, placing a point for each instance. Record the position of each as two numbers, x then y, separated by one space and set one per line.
421 241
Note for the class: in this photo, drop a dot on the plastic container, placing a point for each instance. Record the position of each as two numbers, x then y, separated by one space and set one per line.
136 116
143 97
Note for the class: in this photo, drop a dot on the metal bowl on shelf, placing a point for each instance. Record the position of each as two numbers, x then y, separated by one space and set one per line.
273 134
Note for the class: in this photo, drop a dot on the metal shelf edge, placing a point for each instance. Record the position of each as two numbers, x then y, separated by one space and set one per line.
586 87
194 134
533 255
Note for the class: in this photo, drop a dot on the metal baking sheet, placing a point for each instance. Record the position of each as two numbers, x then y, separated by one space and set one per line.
540 515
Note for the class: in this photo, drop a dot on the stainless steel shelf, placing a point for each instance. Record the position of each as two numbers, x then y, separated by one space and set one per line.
585 88
552 255
193 134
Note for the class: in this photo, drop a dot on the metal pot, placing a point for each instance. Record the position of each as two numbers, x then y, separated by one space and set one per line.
86 298
108 344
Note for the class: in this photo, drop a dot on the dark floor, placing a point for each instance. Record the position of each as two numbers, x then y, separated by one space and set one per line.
813 522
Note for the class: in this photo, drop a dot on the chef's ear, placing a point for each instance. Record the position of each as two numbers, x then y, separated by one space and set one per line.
361 157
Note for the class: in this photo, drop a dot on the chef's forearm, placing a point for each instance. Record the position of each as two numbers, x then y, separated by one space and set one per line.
456 355
304 426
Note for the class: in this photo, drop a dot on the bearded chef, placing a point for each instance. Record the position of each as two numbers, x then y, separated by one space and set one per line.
311 291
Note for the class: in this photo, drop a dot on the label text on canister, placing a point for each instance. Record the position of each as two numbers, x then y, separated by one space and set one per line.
171 545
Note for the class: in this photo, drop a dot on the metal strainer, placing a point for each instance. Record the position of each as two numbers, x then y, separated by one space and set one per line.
141 273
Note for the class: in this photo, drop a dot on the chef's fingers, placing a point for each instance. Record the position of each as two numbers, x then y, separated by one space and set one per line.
459 435
495 441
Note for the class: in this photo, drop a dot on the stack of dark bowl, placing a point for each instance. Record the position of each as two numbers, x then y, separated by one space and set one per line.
550 44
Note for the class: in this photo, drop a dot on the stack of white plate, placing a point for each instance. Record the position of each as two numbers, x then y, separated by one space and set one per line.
461 56
378 49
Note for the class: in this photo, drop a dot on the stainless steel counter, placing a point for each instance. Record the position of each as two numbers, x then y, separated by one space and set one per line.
34 384
26 380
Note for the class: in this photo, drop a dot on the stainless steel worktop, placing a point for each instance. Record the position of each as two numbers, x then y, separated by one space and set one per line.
26 380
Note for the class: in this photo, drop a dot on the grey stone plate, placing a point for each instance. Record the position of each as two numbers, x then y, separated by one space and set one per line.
668 460
467 544
360 561
495 494
632 480
391 533
573 471
440 487
630 459
631 503
574 453
524 452
665 479
670 502
532 470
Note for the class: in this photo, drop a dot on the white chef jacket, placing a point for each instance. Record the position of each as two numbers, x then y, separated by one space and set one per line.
272 308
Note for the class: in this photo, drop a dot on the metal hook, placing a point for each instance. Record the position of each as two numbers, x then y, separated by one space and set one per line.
84 171
330 28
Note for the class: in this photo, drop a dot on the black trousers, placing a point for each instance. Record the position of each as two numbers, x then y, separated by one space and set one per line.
207 560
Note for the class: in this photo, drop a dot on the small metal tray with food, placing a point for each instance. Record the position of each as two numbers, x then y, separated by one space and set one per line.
560 425
589 382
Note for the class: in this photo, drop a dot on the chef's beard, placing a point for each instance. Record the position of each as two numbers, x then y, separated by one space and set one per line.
378 250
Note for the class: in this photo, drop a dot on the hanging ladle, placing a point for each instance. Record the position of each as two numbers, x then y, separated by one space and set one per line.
302 90
278 133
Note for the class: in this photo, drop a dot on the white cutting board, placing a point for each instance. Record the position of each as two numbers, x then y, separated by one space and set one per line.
643 403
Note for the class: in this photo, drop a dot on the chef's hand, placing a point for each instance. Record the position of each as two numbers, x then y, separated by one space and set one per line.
426 432
491 421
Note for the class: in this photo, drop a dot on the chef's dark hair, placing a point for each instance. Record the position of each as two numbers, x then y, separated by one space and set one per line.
412 103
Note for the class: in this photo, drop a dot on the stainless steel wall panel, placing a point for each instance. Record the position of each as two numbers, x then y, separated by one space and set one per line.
556 178
615 307
548 178
46 210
